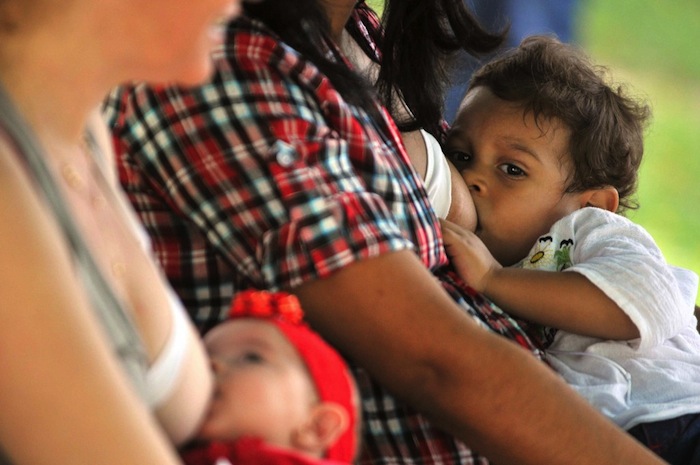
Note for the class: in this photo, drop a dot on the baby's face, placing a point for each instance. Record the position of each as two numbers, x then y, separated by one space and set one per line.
262 388
516 172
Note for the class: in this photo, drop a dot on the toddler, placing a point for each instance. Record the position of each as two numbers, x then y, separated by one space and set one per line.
550 154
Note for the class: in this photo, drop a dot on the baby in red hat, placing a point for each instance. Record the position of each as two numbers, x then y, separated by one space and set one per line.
283 395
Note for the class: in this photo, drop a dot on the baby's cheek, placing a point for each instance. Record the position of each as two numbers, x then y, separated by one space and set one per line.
207 429
218 416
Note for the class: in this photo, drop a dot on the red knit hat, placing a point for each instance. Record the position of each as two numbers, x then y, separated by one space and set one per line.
328 370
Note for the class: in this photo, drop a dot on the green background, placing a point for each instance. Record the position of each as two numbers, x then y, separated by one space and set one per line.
654 47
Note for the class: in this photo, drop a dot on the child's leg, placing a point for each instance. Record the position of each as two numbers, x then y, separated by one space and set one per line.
677 440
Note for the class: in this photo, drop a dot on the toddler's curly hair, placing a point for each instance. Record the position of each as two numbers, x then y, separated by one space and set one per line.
551 79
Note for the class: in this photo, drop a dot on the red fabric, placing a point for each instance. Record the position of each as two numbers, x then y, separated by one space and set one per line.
328 370
245 451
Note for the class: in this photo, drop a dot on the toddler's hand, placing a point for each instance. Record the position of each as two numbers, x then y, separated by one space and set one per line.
470 257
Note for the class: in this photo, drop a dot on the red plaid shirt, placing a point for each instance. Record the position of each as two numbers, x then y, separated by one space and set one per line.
265 177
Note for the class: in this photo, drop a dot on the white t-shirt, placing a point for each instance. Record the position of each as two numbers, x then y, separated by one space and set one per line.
655 377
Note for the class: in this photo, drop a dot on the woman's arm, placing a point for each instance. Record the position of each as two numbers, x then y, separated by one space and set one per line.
63 396
480 387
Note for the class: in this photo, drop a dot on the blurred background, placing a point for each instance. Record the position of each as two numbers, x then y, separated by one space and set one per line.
653 46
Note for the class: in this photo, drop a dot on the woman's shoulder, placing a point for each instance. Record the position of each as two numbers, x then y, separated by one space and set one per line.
250 42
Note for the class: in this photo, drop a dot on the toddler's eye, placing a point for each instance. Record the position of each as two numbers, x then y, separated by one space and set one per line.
460 159
512 170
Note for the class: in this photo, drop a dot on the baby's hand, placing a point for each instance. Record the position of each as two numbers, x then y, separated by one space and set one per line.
470 257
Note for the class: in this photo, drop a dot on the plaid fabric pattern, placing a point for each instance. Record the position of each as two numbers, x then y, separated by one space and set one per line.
265 177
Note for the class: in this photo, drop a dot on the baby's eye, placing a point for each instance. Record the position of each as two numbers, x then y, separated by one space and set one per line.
460 159
251 357
244 358
512 170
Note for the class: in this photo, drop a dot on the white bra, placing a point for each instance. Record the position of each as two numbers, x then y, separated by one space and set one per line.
438 181
162 375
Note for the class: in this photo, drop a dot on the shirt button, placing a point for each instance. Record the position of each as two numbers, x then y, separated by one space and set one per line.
285 159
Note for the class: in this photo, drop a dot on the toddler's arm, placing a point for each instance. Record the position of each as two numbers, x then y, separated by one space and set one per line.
568 301
468 254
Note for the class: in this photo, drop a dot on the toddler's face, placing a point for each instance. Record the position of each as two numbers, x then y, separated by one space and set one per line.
262 389
515 171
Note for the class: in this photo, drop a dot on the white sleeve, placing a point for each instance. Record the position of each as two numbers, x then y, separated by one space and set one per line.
623 260
438 182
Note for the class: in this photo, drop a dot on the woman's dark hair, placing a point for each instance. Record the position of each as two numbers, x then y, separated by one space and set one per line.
555 80
421 40
303 25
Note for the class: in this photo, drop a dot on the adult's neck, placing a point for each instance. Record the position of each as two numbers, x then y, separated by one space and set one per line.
338 12
53 88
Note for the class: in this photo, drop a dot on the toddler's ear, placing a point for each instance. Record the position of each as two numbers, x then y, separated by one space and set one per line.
606 198
327 421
